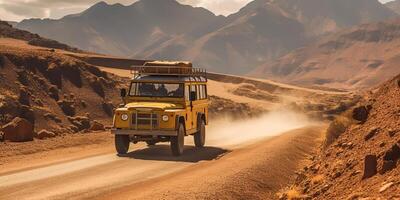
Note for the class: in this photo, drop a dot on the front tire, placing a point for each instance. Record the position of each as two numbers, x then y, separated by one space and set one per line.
122 144
200 136
178 142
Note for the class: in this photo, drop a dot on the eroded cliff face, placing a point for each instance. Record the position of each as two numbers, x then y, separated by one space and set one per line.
363 162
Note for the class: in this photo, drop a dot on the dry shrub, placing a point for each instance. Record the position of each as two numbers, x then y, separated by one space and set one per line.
338 127
294 194
291 193
318 179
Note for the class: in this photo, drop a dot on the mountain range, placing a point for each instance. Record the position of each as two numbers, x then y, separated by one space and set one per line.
260 32
359 57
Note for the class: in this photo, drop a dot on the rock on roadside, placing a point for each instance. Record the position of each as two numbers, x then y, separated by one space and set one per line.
18 130
43 134
97 126
370 166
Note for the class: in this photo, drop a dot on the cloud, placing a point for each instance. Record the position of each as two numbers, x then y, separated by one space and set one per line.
6 15
25 10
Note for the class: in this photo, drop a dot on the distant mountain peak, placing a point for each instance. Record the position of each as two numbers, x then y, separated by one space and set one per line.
100 4
158 2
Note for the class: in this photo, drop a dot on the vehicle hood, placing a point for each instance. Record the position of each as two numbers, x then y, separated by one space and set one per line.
153 105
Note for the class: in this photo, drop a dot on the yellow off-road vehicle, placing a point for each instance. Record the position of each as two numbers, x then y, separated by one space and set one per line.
166 101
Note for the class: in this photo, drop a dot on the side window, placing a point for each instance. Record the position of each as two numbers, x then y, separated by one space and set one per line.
193 88
201 92
205 91
198 92
187 93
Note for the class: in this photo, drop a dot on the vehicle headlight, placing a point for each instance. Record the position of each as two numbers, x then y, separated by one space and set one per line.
124 117
165 118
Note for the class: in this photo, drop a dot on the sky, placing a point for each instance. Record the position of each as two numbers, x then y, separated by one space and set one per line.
17 10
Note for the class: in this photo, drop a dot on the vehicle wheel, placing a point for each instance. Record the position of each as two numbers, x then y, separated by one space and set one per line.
122 144
151 143
200 136
178 142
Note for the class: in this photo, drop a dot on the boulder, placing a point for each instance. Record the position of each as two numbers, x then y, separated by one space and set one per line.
18 130
393 153
97 126
73 128
67 107
371 133
50 116
390 159
43 134
387 166
82 123
385 187
370 166
361 113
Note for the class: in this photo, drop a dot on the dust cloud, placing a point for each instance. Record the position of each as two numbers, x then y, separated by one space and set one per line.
226 132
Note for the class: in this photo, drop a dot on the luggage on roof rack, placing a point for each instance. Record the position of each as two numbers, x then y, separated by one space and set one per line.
163 68
169 64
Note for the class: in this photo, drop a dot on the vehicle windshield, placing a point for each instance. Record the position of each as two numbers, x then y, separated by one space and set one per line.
174 90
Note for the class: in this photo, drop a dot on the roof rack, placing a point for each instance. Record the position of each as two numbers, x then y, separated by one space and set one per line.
169 71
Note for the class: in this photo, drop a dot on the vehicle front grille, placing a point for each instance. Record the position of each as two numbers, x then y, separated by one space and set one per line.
145 120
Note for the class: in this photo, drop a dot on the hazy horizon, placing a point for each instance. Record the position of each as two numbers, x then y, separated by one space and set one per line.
17 10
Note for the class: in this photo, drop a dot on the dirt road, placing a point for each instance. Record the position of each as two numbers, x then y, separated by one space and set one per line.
249 167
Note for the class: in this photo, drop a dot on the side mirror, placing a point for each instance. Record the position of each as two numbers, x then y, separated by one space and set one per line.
123 92
193 96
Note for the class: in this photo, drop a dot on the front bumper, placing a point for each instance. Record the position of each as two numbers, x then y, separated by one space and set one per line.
144 132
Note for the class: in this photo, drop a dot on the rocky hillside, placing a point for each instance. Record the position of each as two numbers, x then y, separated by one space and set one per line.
358 57
364 161
46 94
8 31
261 31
